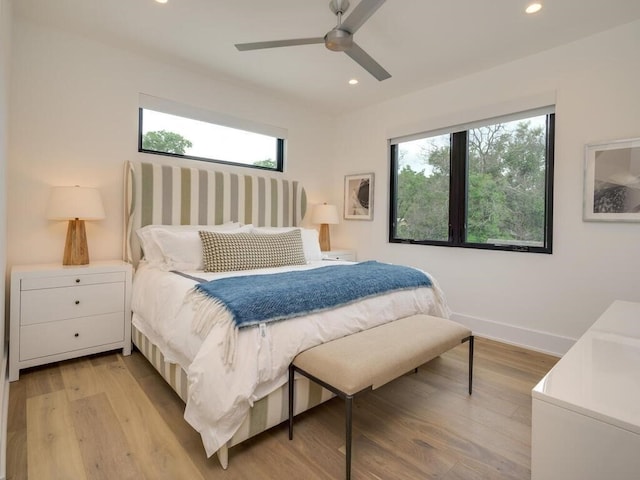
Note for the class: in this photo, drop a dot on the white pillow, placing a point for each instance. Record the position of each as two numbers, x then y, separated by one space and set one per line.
179 246
310 241
150 250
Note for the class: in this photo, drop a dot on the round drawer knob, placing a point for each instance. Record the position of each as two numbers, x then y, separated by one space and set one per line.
77 302
77 280
76 335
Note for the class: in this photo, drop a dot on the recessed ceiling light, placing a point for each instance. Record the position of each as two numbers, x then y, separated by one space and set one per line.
162 1
533 7
353 81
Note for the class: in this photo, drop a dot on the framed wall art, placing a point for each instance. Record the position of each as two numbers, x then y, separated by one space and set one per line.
358 197
612 181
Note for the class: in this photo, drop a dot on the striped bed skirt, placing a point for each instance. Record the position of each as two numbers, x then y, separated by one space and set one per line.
265 413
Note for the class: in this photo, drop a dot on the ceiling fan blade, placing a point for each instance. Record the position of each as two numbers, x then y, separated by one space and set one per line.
278 43
366 62
360 14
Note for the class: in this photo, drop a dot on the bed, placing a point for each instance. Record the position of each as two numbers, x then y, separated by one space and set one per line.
233 380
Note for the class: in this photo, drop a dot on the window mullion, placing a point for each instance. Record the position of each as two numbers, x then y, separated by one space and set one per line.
457 204
548 207
393 190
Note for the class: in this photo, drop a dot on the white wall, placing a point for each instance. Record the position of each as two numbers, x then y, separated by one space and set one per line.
5 47
74 119
540 300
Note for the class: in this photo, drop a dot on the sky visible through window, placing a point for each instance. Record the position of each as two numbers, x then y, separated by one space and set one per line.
213 141
413 153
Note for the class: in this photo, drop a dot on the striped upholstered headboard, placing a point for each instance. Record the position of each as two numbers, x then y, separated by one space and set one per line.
173 195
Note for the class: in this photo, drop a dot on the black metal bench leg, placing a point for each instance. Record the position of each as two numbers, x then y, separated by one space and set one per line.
348 403
470 363
291 402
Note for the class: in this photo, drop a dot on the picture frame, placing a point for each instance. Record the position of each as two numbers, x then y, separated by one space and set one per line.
358 196
612 181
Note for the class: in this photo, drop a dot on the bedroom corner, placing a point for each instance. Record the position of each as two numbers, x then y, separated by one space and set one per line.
5 43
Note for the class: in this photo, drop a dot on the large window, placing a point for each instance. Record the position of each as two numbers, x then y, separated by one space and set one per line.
176 130
489 185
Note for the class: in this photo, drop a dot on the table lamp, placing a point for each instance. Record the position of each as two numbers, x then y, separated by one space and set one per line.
325 215
75 204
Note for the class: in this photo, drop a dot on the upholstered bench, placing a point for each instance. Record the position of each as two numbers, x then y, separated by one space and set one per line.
368 359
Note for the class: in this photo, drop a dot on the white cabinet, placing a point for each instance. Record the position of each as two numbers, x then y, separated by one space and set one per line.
346 255
586 410
60 312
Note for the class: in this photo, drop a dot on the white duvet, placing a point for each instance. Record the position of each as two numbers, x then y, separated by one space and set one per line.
220 395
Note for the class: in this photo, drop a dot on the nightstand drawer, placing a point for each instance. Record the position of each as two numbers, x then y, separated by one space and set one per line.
51 304
68 335
71 280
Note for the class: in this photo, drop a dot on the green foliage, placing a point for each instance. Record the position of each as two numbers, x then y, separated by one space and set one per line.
164 141
505 188
269 163
486 210
422 206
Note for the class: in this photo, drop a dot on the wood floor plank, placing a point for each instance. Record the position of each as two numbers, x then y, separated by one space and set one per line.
17 421
450 433
319 439
42 380
405 393
139 366
274 462
80 379
17 454
474 470
374 459
170 407
158 453
527 360
103 358
17 432
52 447
105 450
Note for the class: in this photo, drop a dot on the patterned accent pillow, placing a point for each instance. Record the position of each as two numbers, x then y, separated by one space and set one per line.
246 251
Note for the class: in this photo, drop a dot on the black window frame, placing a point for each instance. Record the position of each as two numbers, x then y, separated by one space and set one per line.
458 197
280 148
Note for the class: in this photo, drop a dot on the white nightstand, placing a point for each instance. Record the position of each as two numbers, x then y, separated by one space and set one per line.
337 254
60 312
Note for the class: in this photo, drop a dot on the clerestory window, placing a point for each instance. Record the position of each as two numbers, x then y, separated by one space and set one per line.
166 128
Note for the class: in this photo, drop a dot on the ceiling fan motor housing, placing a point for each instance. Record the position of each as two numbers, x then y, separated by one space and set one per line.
338 40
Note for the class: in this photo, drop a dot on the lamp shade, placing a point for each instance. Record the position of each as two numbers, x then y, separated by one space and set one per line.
325 214
67 203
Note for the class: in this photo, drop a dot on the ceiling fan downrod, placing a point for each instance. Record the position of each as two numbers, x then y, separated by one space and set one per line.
339 7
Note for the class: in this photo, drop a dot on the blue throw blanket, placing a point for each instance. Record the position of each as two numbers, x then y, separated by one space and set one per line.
255 299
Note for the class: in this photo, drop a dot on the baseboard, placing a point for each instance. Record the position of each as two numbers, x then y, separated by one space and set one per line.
4 399
524 337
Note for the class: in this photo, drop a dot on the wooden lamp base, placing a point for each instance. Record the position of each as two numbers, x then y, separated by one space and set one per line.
76 250
325 241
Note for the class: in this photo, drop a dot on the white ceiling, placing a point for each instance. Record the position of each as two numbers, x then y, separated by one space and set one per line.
420 42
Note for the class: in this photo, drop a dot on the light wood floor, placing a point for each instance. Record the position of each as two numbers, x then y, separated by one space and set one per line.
113 417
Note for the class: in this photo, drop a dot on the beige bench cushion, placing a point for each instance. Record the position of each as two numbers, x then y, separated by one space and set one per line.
374 357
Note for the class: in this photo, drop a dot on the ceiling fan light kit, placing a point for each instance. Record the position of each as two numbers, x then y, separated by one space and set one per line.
338 39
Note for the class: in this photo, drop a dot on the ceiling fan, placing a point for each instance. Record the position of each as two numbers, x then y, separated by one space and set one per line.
338 39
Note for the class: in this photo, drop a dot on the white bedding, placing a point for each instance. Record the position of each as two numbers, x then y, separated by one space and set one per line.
220 395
